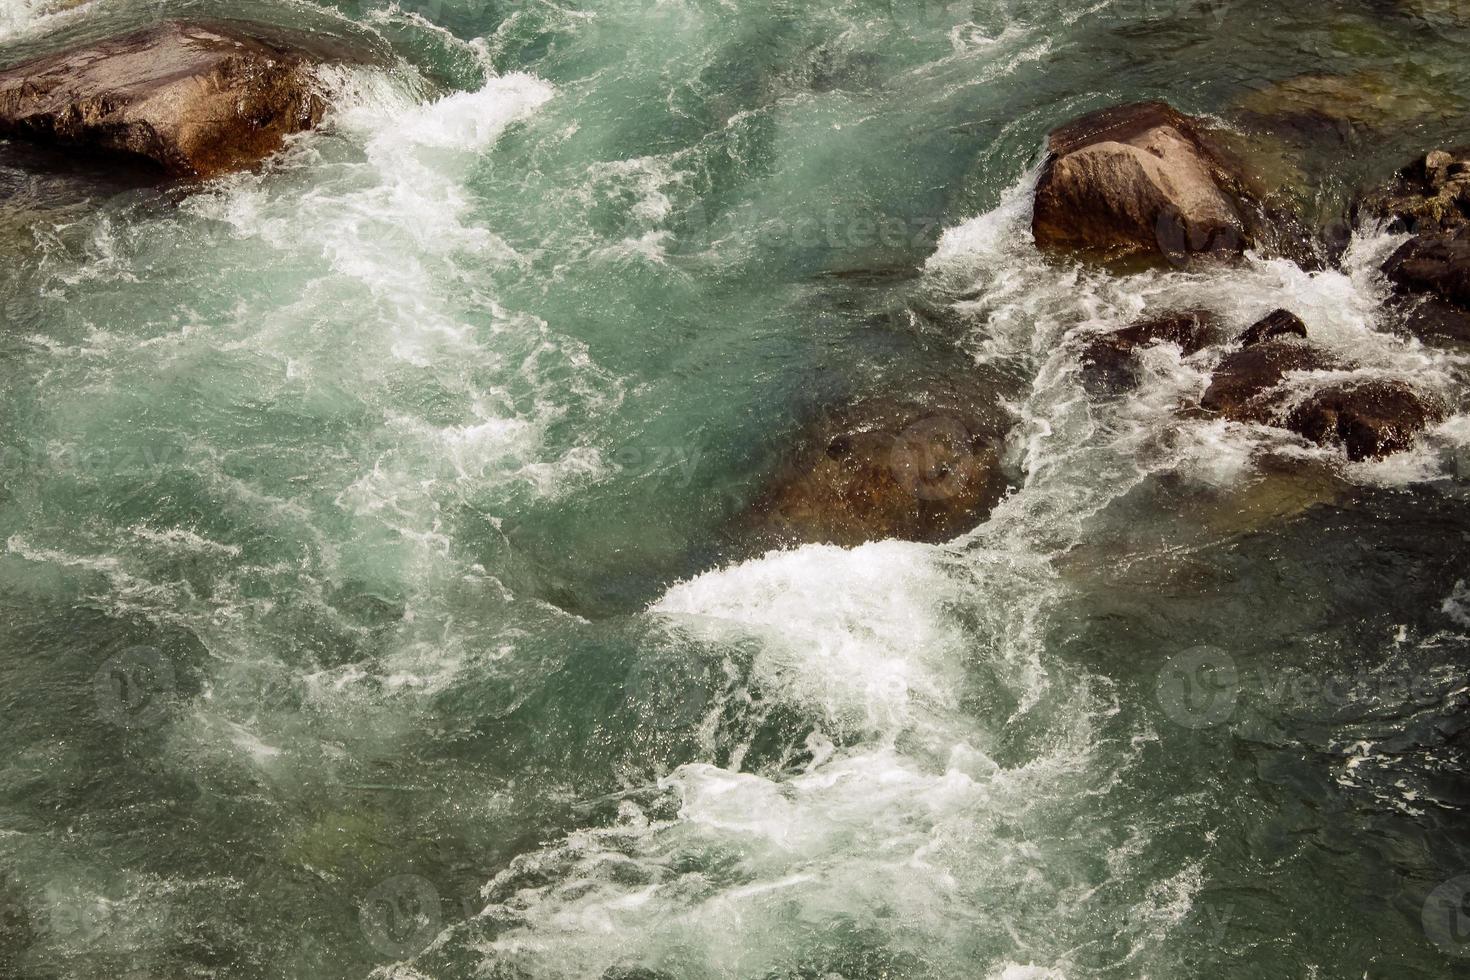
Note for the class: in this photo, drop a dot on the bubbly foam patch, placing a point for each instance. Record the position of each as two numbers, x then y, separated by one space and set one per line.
859 634
912 813
738 881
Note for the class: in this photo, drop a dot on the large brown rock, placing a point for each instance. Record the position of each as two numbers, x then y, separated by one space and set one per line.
1369 419
199 98
919 468
1137 180
1248 384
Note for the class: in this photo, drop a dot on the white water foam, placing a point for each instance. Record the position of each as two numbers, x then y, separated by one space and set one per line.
19 18
398 226
909 809
858 635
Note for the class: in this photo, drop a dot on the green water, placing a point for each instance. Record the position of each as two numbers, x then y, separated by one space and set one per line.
372 596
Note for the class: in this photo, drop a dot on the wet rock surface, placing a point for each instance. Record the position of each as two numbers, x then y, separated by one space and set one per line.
1370 419
1430 275
1435 263
1451 12
198 98
1431 194
1109 360
1247 385
1280 323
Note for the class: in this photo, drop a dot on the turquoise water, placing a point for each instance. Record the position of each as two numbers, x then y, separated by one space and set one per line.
372 593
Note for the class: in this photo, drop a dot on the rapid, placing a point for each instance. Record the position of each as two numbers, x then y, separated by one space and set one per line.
395 478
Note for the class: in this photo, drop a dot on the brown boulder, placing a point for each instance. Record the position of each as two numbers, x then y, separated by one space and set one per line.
1370 419
1280 323
199 98
919 469
1247 386
1137 180
1108 359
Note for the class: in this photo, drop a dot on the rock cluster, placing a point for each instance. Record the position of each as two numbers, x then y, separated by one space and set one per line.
1143 179
1431 194
1430 276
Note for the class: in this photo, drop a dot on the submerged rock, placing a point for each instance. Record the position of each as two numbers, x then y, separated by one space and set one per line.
634 973
1136 180
1109 361
1430 194
1370 418
921 468
1430 275
1247 386
1335 109
1279 323
198 98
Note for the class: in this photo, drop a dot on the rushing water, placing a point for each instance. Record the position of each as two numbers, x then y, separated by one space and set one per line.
367 594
